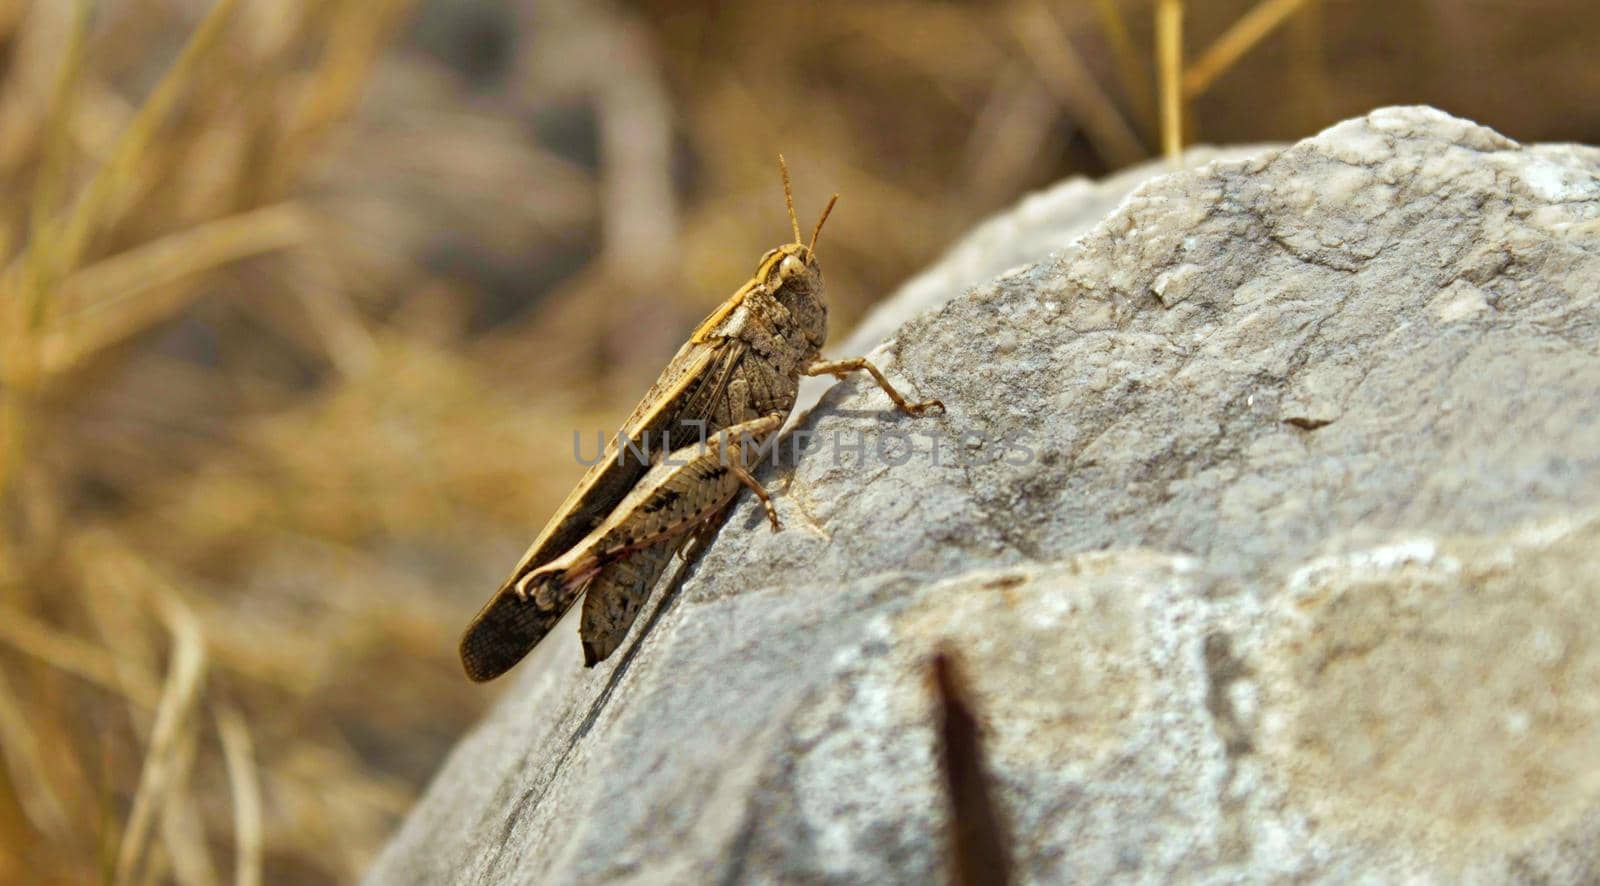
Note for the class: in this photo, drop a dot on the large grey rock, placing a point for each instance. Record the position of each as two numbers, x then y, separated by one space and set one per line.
1290 568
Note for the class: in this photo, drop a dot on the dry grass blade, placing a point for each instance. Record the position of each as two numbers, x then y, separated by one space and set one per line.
1130 65
54 38
182 829
177 706
57 124
74 656
1169 56
12 427
1015 123
1249 30
121 296
356 34
20 748
60 247
354 41
238 753
112 282
1065 74
35 35
336 321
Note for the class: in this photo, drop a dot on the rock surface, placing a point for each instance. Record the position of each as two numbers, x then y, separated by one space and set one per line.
1278 557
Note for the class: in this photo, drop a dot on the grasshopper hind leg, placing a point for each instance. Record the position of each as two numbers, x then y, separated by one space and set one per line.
615 597
617 594
695 543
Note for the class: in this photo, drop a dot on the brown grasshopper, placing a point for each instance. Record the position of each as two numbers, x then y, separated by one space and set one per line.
739 369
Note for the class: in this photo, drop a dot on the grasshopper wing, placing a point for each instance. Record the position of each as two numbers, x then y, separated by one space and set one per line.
506 628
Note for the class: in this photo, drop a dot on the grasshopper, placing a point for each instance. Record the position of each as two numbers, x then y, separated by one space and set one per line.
740 369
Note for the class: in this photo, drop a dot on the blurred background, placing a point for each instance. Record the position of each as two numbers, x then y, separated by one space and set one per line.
302 300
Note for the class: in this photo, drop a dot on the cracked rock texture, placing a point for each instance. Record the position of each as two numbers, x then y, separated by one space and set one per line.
1265 521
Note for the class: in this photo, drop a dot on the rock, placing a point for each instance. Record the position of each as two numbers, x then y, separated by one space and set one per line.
1042 224
1265 524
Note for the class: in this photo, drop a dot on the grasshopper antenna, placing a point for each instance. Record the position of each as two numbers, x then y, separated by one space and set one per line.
812 249
788 198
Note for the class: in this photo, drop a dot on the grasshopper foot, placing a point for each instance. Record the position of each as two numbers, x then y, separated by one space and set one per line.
772 515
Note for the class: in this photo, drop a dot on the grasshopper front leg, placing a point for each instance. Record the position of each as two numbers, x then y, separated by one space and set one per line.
840 368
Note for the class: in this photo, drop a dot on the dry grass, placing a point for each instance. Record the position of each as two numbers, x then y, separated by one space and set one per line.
135 198
302 300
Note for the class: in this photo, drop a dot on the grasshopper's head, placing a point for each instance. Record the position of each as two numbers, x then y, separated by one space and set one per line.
791 273
793 277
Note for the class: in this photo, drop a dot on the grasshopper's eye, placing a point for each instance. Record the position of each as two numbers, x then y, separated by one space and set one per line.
790 267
